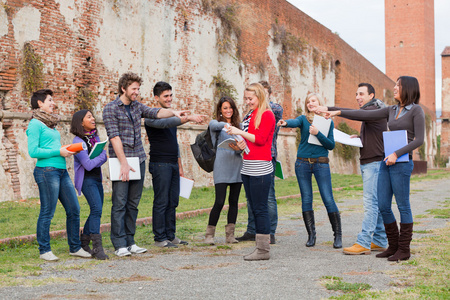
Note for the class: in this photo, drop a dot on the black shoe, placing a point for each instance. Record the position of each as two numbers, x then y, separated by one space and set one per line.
246 237
272 239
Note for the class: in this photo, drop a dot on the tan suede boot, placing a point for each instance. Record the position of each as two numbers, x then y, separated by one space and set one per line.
229 232
262 251
209 236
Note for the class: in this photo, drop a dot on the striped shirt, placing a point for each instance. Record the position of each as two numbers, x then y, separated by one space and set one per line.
256 167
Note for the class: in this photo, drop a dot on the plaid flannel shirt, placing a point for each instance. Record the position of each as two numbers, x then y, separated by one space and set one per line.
118 123
278 112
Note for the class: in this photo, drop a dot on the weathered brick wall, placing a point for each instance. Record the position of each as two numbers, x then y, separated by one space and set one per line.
88 44
445 129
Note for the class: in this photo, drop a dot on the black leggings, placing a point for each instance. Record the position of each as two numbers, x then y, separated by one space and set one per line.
233 199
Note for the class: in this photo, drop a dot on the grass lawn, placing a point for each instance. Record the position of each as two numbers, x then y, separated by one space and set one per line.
426 275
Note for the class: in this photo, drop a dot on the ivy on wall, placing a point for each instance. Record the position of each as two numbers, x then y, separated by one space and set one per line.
85 99
31 70
227 12
222 87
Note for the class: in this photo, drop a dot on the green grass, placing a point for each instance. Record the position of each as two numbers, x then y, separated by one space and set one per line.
19 263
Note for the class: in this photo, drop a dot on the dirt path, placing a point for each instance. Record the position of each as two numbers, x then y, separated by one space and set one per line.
293 272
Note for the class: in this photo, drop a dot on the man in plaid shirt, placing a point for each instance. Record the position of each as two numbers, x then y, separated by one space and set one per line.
122 119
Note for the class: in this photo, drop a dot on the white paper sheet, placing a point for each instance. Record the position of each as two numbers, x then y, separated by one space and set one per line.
343 138
186 186
323 125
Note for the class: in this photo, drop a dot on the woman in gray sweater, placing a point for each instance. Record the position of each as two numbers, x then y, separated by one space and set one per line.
394 178
227 171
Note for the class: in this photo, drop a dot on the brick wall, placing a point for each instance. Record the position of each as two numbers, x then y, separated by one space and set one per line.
445 129
89 44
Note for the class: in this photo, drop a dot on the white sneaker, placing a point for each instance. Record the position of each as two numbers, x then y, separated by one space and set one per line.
81 253
49 256
136 250
122 252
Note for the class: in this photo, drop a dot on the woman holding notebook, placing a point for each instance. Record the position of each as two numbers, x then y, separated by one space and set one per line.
52 178
394 177
88 179
258 127
313 159
227 171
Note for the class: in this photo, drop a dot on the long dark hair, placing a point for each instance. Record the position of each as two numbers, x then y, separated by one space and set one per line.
235 119
410 90
77 119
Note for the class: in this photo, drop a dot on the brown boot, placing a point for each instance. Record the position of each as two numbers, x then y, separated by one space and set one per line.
209 236
85 239
392 236
229 232
262 251
404 242
97 247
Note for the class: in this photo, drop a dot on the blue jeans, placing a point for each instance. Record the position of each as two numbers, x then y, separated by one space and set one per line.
92 189
55 183
257 191
272 207
166 186
125 199
304 171
395 180
372 225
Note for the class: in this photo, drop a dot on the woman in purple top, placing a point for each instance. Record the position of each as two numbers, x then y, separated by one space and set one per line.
394 177
88 179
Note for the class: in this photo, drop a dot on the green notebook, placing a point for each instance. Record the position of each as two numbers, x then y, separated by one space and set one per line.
279 170
98 148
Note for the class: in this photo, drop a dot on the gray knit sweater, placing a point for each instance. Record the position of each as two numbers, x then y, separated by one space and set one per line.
411 119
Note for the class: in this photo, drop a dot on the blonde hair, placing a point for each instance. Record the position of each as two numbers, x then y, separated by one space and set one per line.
310 115
263 104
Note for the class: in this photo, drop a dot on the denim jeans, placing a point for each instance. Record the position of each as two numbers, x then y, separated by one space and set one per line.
304 171
124 211
257 191
92 189
166 186
372 225
272 207
395 181
55 183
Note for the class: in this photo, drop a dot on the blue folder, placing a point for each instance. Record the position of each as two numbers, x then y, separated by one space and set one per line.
394 140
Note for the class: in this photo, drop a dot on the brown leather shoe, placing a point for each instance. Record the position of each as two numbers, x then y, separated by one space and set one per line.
356 249
375 247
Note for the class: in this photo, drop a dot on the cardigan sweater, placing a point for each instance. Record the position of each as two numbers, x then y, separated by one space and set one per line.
228 163
307 150
412 119
261 148
82 162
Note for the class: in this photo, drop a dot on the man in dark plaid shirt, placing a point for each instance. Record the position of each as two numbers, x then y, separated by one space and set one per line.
249 235
122 119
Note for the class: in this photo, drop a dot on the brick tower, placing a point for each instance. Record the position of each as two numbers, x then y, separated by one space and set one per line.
445 129
409 34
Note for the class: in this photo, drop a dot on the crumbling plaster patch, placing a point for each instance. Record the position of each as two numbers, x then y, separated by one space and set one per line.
26 24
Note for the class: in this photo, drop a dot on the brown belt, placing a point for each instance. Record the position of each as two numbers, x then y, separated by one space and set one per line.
322 160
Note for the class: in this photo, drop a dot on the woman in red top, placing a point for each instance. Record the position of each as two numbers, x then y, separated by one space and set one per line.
257 130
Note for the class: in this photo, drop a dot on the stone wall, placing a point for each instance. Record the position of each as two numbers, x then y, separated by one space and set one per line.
85 45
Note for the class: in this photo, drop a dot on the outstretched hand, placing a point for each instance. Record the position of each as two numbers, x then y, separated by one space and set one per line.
330 114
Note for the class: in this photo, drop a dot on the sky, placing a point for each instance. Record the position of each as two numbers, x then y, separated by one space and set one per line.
353 19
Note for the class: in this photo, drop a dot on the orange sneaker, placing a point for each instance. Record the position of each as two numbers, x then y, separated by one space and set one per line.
375 247
356 249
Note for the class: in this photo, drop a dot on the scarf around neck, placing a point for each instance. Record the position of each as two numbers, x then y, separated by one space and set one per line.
50 120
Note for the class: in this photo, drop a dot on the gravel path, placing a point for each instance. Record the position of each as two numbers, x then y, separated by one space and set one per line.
197 272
